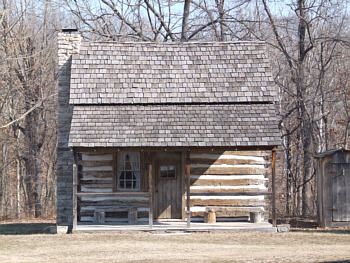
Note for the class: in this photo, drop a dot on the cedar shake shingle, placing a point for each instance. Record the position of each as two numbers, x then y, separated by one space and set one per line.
144 73
174 125
172 94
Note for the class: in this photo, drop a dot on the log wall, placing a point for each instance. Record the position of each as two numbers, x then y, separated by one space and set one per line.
233 183
96 191
96 173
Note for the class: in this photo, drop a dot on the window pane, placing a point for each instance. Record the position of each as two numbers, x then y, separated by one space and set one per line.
163 168
163 173
171 172
167 171
128 171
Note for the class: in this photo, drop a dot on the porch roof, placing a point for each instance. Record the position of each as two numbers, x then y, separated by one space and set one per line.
174 125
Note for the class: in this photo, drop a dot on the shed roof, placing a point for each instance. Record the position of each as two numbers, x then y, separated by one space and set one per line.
174 125
330 152
126 73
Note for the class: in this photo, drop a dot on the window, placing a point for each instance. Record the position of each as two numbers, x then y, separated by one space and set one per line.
167 171
128 171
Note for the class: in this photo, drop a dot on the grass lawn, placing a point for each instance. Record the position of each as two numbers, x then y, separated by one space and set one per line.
308 246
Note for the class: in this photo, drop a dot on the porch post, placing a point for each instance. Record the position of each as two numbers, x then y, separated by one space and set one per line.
75 190
188 183
274 223
150 189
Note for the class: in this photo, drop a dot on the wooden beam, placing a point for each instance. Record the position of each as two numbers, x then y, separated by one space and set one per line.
243 149
224 191
96 163
230 182
274 222
128 194
75 190
197 193
208 161
226 170
188 185
150 189
115 172
183 185
214 201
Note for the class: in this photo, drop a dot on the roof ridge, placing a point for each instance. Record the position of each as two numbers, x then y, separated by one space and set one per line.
175 43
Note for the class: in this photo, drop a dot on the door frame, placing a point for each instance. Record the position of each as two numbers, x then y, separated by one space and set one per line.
181 164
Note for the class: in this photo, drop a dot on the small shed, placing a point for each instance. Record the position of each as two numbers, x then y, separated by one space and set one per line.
333 186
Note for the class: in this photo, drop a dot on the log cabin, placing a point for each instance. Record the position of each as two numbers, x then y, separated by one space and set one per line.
173 131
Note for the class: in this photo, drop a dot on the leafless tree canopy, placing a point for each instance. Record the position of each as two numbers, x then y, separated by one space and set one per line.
27 111
309 46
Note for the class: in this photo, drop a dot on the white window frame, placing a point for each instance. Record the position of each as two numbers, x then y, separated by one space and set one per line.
135 169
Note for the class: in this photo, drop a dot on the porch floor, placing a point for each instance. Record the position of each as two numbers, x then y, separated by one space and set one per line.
179 226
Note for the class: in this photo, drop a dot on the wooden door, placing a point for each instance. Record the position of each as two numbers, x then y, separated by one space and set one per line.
167 187
340 176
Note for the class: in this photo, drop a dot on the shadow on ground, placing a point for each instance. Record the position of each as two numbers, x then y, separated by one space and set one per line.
328 231
27 228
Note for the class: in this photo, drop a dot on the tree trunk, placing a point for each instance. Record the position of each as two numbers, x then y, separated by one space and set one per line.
186 14
220 5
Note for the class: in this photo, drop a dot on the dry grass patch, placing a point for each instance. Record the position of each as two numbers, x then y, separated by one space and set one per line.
195 247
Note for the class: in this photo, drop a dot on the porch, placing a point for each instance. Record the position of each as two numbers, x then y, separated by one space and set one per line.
177 226
179 186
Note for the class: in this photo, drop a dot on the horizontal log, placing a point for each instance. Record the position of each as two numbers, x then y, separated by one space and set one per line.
86 219
244 153
86 213
114 194
102 180
96 190
116 220
226 170
101 186
107 168
225 161
248 153
239 189
90 209
226 202
229 193
95 163
109 198
98 174
97 182
122 203
97 157
230 182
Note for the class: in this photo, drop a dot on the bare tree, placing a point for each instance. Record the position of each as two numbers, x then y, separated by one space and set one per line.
309 39
27 116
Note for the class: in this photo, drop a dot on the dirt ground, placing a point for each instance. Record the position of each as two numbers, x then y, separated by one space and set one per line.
302 246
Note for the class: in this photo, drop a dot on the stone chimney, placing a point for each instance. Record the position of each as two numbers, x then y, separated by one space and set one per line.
68 43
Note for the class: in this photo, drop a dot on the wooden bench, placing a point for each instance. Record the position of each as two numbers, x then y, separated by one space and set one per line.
211 213
100 214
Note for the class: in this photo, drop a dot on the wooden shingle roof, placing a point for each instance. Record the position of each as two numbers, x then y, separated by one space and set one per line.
177 94
125 73
174 125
